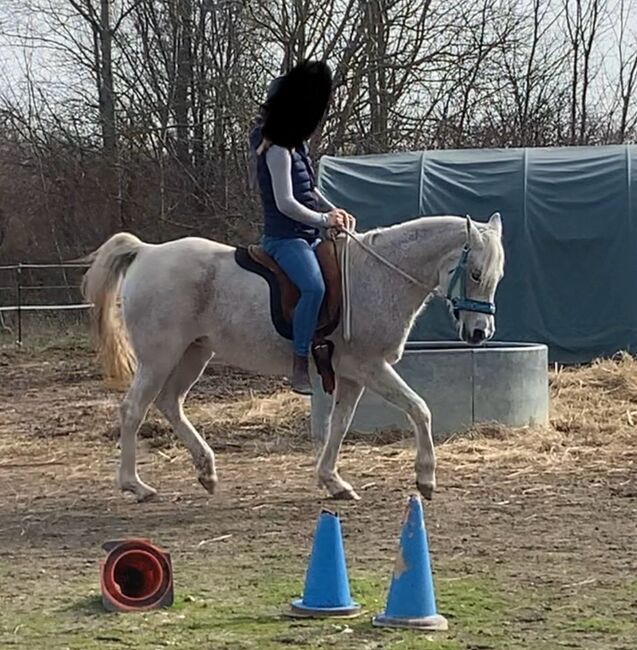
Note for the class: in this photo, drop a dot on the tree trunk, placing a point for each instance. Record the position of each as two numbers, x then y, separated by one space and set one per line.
113 177
199 93
183 80
107 98
376 76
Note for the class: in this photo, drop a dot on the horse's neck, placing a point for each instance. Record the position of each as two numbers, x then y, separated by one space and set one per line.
417 247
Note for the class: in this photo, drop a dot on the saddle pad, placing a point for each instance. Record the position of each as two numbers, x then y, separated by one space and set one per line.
283 327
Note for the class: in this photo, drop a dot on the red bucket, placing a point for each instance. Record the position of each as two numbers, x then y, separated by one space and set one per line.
135 576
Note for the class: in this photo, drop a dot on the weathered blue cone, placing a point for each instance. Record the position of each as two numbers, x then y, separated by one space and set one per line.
411 602
326 590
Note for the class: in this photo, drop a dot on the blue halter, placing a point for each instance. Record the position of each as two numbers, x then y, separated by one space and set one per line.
457 291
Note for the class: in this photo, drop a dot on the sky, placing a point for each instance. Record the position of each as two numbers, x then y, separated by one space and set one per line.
52 75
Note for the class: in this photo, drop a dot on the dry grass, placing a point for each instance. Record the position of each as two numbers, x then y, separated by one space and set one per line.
278 422
593 422
281 415
593 417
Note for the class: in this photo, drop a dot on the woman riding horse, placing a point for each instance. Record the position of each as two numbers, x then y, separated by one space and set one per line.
294 211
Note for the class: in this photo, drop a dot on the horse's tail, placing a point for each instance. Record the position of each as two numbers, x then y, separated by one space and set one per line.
100 287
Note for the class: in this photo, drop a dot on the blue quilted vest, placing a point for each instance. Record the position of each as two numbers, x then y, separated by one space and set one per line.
276 224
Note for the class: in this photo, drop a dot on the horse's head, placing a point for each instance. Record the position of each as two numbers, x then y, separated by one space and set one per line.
469 279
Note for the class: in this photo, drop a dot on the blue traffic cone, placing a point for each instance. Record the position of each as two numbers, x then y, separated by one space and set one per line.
326 590
411 602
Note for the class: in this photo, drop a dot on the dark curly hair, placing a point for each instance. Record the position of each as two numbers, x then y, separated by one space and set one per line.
296 103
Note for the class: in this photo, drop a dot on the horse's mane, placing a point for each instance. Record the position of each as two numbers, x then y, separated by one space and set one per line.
493 264
493 261
399 232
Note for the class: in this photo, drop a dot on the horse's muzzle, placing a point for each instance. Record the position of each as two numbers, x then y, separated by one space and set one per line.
473 337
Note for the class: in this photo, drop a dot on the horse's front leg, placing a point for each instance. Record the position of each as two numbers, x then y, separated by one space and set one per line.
385 381
346 398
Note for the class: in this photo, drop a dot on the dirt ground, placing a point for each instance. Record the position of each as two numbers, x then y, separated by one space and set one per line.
532 532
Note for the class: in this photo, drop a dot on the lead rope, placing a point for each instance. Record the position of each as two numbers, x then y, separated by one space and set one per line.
345 281
347 305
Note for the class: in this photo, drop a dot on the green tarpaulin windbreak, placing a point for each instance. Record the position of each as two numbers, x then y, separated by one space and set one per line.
570 229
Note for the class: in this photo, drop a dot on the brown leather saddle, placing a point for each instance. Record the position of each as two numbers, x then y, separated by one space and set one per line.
284 297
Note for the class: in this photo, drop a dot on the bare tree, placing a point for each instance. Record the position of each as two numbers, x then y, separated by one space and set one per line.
627 59
583 22
532 96
134 113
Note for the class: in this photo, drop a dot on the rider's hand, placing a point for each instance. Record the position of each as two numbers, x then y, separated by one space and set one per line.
337 218
341 220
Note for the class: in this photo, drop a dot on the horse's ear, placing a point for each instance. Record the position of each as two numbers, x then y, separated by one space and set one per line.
473 234
495 223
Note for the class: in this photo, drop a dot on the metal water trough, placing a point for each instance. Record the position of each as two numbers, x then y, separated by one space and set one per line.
505 383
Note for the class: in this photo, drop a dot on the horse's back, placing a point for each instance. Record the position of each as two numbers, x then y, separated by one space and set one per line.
185 256
176 277
192 246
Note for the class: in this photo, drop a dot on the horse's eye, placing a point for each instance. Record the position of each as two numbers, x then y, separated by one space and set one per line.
476 276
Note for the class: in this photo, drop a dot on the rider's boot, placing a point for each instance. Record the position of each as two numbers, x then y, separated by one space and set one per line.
300 376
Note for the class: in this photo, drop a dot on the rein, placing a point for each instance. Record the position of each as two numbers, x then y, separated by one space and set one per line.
345 283
384 260
458 281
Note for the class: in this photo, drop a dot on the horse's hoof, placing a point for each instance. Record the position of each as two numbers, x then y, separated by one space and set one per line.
426 489
147 494
346 495
141 492
209 483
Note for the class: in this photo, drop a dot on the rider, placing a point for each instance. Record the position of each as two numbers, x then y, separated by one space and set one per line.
295 213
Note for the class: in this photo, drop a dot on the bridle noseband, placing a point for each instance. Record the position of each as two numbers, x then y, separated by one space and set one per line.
457 291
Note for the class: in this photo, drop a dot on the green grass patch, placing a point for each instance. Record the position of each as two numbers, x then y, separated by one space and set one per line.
601 624
236 610
243 605
607 612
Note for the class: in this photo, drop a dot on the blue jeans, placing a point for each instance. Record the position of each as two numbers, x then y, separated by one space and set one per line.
297 258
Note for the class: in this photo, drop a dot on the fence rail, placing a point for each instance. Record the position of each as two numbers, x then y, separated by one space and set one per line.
19 288
28 265
19 308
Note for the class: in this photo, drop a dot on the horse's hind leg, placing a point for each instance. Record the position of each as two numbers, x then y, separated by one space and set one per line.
171 401
346 398
320 415
146 384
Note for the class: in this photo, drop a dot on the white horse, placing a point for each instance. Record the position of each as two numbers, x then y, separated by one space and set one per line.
185 301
